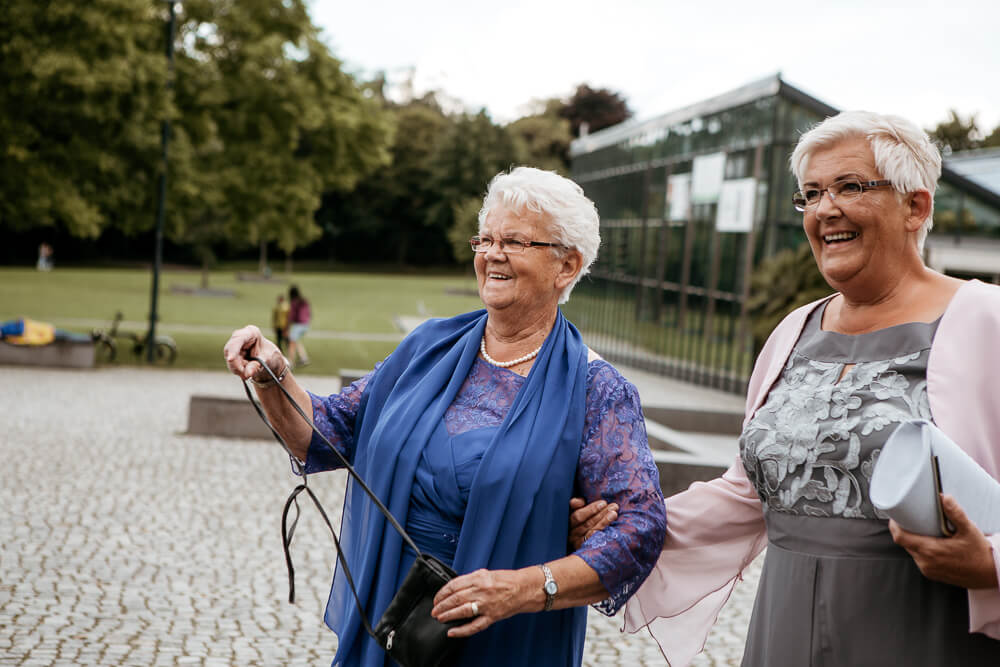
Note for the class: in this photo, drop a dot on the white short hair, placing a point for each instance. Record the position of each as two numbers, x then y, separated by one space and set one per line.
904 154
568 215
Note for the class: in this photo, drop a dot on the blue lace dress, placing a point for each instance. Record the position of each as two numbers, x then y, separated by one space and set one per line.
615 464
835 589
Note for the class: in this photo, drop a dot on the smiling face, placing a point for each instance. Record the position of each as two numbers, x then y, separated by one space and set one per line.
530 281
858 245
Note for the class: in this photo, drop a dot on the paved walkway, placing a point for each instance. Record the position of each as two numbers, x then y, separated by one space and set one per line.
125 542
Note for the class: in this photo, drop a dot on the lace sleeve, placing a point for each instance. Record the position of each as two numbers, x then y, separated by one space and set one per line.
334 417
617 465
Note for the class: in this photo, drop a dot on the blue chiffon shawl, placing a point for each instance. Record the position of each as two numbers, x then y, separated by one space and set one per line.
518 509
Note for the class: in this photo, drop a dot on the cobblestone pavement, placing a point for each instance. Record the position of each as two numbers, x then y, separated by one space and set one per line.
125 542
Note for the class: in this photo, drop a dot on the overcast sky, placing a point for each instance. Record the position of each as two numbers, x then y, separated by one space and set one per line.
915 58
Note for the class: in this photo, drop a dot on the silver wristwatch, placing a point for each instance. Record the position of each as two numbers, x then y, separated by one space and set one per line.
550 587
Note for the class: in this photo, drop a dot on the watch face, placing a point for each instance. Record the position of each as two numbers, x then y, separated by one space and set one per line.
551 588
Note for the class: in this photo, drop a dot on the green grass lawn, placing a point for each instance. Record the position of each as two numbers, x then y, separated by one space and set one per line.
344 302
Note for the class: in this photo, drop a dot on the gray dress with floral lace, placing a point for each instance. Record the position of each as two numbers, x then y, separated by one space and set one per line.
835 589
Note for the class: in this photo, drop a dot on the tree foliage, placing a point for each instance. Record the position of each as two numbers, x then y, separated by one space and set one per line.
960 134
289 124
992 140
957 133
81 93
271 142
598 108
409 210
779 285
264 120
543 140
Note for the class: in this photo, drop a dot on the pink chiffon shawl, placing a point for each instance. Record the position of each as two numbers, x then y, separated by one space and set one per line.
715 529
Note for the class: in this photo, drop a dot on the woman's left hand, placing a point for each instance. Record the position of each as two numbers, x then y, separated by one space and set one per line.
494 594
964 559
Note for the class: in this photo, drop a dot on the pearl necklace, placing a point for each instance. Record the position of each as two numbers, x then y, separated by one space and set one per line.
507 364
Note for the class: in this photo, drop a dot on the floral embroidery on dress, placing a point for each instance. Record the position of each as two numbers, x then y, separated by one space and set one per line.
812 447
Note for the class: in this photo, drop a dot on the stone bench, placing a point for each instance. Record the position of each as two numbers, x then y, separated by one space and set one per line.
60 354
235 417
696 420
225 417
678 470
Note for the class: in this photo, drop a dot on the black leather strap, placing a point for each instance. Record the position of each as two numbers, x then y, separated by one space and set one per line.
287 532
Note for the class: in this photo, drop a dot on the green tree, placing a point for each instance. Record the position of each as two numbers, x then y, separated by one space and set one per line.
992 140
957 133
598 108
779 285
410 211
543 140
82 93
287 123
384 217
264 120
473 151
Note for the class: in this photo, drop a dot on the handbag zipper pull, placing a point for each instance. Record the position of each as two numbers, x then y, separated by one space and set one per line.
388 640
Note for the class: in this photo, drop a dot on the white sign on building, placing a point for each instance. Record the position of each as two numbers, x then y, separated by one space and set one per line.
706 180
735 210
679 196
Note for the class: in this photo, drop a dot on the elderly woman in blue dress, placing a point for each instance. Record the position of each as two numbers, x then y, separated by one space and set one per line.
476 432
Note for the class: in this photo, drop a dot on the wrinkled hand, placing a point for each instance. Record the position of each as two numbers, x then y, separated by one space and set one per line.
965 559
250 342
497 594
585 520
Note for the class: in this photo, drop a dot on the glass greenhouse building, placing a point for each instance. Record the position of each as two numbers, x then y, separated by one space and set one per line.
692 200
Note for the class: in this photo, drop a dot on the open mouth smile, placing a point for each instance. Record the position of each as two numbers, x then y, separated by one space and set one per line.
497 276
840 237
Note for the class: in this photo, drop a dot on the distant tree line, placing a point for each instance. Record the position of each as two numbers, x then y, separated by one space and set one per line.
272 143
421 207
961 134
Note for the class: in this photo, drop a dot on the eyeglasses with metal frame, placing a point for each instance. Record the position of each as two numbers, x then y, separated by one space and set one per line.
842 191
508 245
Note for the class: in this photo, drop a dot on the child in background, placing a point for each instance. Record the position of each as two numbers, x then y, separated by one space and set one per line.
299 317
279 320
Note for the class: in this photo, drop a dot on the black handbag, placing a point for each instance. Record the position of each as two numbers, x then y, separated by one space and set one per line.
407 631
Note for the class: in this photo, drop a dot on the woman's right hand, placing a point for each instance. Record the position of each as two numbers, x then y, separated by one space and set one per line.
250 342
585 520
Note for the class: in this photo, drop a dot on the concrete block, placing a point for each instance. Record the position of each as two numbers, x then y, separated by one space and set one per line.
721 422
349 375
225 417
60 354
677 476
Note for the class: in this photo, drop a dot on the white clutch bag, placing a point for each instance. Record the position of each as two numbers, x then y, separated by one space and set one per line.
916 462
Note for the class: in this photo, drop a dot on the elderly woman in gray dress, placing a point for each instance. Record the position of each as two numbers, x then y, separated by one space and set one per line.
841 584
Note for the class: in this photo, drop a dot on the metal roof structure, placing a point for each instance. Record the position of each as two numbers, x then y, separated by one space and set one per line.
975 172
982 166
766 87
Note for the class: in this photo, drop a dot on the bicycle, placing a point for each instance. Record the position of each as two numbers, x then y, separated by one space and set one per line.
165 350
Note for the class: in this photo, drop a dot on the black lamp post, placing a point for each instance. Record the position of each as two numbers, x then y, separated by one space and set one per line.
161 204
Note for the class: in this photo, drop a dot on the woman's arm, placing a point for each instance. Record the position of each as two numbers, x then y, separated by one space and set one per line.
616 466
333 415
499 594
239 350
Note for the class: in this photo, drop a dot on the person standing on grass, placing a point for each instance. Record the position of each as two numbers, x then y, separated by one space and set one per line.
298 324
279 320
